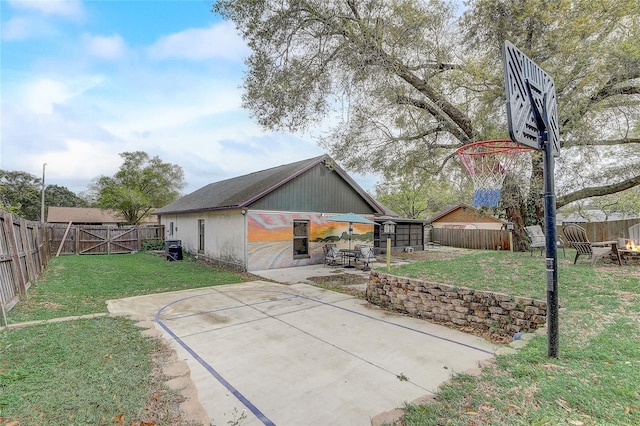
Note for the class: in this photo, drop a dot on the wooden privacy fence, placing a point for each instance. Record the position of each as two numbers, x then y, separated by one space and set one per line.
24 253
483 239
490 239
93 239
606 231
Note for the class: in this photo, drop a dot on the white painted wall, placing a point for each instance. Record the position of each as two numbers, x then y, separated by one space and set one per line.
225 234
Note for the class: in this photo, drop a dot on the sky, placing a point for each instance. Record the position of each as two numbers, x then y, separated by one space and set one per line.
83 81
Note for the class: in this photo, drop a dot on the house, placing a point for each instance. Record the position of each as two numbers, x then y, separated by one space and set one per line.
463 216
274 218
83 216
88 216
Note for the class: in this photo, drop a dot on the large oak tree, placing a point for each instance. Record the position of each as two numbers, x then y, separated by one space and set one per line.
403 83
141 184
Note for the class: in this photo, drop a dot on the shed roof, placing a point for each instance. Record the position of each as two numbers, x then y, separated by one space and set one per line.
242 191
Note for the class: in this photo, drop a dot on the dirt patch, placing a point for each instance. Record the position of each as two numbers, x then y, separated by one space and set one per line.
164 405
50 305
340 279
342 283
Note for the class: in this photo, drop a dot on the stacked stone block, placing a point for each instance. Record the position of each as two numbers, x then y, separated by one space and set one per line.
462 306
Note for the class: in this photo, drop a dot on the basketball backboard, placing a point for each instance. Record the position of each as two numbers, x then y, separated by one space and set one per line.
519 70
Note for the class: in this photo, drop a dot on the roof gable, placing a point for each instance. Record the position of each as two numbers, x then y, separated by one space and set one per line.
243 191
462 213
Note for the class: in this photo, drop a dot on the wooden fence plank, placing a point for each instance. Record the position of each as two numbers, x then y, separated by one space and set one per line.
15 251
27 247
64 237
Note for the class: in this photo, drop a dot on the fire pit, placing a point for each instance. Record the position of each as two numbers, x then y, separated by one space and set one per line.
629 250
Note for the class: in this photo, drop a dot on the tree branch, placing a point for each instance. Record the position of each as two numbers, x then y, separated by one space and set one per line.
444 111
445 120
597 191
604 142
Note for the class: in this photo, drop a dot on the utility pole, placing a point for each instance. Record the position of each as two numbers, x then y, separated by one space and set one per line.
42 197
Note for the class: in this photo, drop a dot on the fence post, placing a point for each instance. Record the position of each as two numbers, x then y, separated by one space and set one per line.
46 248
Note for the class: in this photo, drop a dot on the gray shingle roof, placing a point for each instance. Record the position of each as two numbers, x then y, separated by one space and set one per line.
240 191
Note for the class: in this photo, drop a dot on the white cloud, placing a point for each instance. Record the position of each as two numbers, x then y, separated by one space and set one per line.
218 41
177 100
71 9
81 160
18 29
41 94
104 47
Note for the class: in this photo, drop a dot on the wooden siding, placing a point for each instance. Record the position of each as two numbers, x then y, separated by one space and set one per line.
317 190
464 215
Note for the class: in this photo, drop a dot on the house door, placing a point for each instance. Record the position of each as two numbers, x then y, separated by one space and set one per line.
200 235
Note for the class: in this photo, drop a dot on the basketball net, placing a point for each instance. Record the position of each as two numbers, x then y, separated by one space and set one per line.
488 163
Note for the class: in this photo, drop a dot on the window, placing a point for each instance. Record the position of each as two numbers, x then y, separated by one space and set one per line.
300 238
200 235
170 228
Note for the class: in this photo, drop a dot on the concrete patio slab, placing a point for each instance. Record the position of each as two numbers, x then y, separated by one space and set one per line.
266 353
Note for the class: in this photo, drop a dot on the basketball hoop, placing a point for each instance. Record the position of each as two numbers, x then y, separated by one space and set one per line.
488 162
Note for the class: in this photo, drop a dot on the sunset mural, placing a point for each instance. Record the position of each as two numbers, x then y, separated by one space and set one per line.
270 238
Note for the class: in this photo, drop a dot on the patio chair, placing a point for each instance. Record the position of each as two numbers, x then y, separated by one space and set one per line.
365 255
577 237
537 239
332 255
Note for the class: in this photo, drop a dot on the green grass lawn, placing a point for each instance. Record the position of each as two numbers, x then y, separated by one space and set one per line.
84 372
92 371
596 379
78 285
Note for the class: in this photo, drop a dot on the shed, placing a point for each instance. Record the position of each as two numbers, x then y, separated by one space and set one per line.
274 218
463 216
409 234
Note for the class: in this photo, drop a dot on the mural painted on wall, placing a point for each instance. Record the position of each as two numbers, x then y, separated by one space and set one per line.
270 238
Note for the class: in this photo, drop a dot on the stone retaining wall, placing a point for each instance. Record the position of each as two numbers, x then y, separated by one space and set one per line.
462 306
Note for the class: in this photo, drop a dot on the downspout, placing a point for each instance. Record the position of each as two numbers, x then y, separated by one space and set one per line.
245 243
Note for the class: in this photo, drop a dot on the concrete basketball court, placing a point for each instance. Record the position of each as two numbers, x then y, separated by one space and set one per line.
273 354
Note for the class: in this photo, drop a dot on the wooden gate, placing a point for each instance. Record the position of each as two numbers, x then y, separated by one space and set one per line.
94 239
